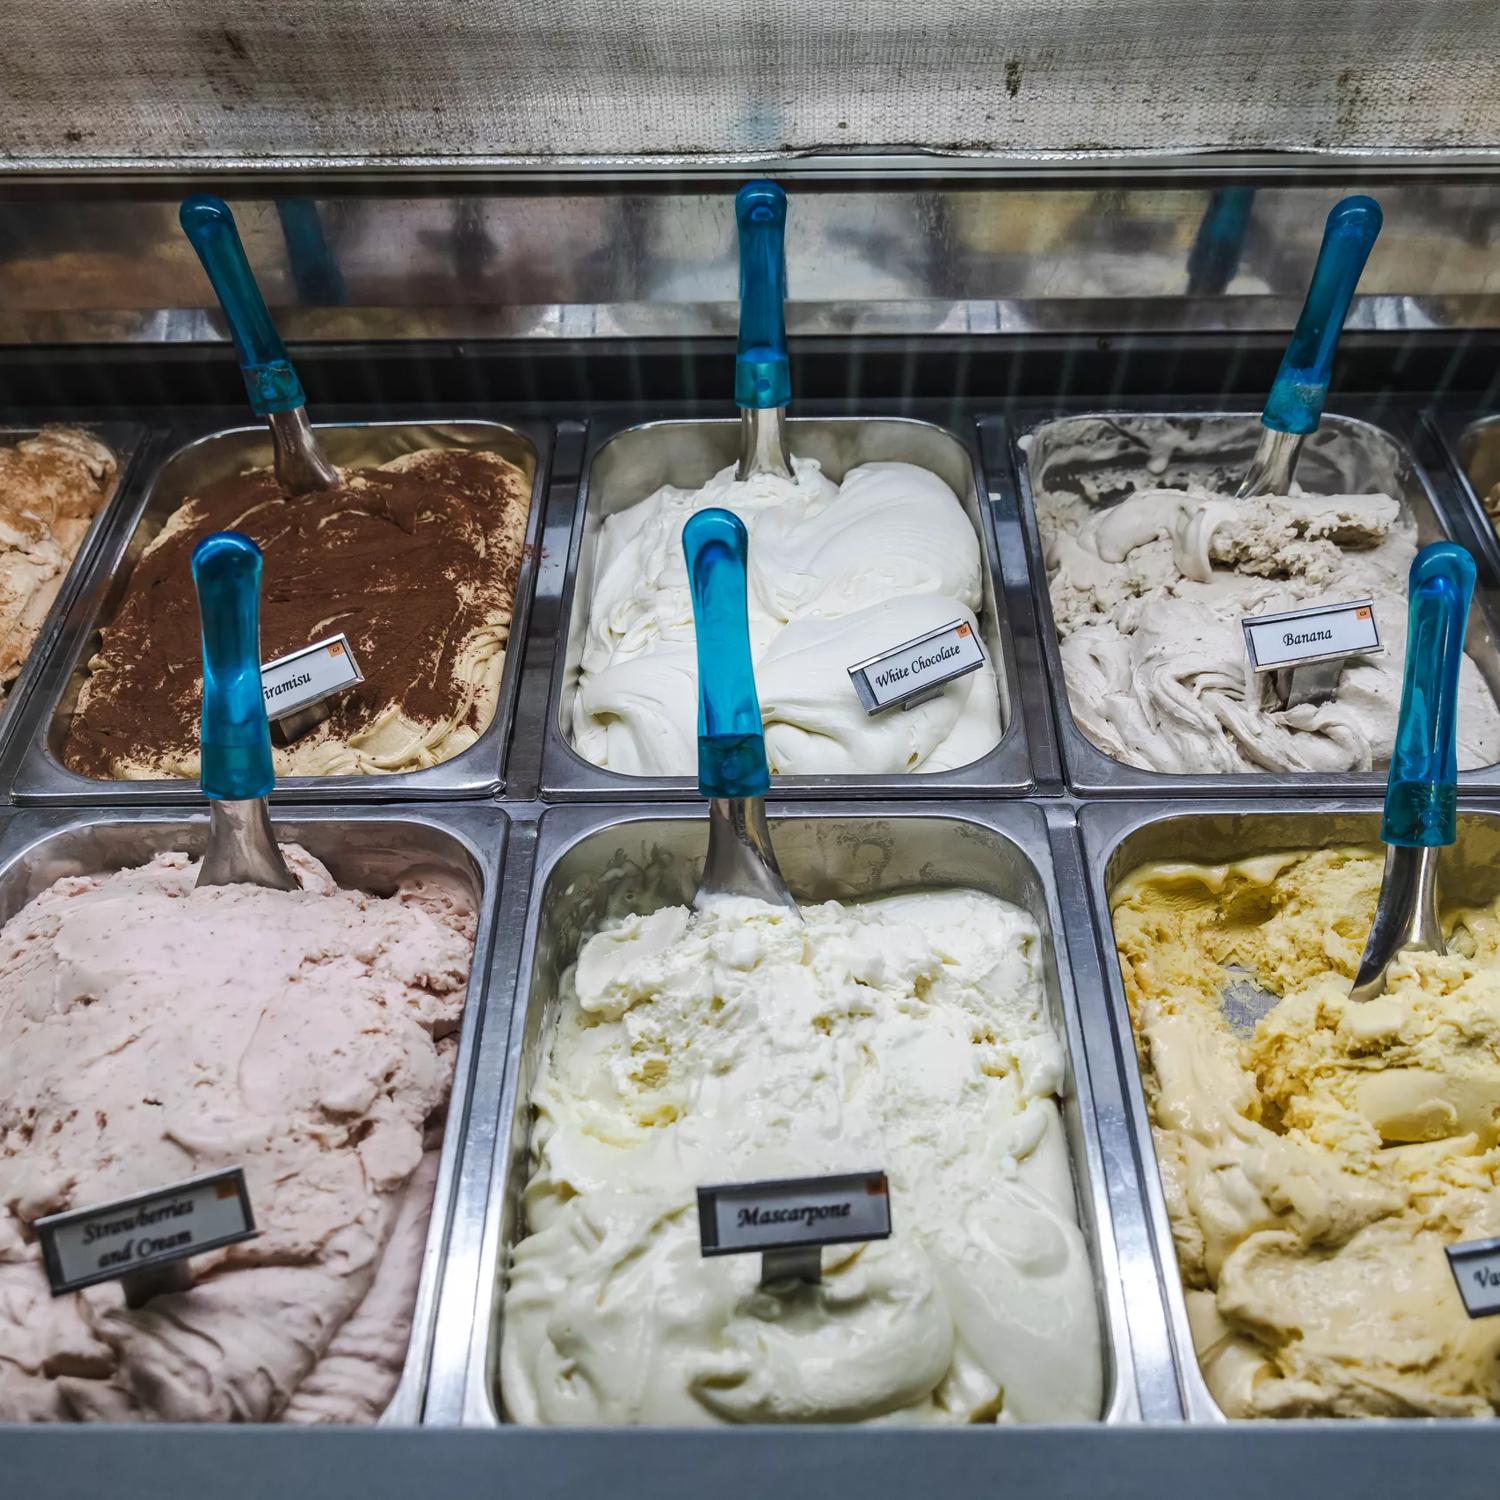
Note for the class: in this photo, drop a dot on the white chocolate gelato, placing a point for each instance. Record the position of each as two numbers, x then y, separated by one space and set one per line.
836 574
151 1032
909 1034
1148 596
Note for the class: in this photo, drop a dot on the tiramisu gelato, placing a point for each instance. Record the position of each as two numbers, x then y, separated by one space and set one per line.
1315 1171
837 573
151 1032
909 1034
51 487
416 562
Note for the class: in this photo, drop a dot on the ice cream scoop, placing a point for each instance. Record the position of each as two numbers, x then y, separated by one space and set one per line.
1422 790
732 769
762 372
1294 407
236 738
271 382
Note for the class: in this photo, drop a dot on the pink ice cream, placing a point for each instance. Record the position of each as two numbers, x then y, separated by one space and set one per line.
150 1032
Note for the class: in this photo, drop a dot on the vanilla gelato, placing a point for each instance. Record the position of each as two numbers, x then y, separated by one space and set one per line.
151 1032
1315 1171
1148 596
51 487
837 573
909 1034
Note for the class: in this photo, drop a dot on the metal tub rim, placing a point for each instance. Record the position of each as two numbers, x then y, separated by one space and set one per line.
481 835
1005 770
479 771
1022 826
1090 772
1103 828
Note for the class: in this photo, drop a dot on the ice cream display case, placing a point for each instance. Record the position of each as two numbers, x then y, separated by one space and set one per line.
1023 408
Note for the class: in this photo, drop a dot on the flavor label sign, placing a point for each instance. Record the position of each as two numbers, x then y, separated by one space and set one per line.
916 668
1476 1269
1322 633
116 1239
740 1218
301 678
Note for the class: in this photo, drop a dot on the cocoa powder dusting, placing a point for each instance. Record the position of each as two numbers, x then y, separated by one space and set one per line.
412 561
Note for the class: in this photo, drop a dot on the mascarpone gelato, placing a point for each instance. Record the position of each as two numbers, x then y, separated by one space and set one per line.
1315 1171
909 1034
837 573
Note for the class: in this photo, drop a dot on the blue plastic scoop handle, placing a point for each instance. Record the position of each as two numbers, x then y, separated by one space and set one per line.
270 380
1422 792
1301 385
762 374
1220 241
236 739
731 744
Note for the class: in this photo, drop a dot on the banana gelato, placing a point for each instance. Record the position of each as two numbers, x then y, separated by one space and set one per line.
151 1032
1315 1171
416 562
909 1033
837 573
1148 596
51 487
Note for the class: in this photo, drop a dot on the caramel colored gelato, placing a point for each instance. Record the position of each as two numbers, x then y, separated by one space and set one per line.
51 487
1315 1171
151 1032
416 562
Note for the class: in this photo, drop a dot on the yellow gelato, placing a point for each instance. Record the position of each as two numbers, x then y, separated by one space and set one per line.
1315 1171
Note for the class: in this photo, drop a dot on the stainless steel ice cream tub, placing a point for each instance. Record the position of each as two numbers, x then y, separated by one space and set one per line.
127 441
201 459
1348 455
1118 837
368 848
622 467
1471 445
596 861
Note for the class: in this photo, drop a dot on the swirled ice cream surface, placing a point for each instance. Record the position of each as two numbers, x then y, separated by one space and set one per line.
1149 594
837 573
151 1032
909 1033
